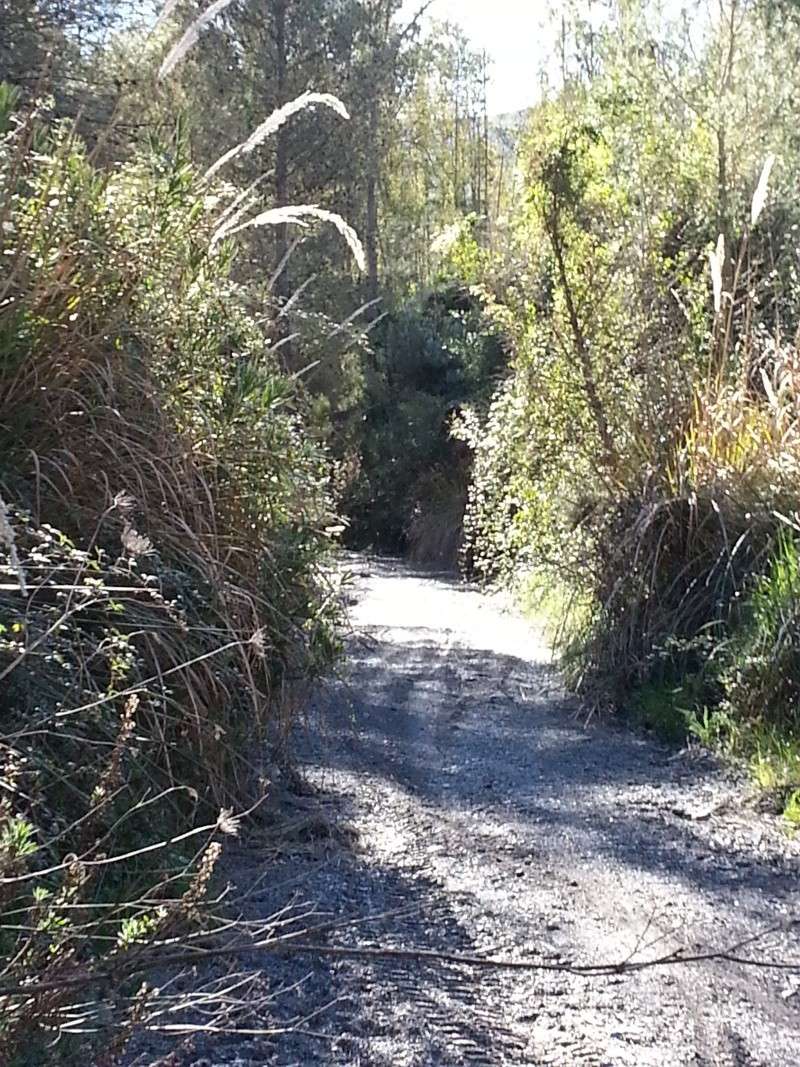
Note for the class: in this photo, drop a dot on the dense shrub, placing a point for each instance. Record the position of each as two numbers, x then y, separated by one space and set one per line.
429 360
161 541
642 457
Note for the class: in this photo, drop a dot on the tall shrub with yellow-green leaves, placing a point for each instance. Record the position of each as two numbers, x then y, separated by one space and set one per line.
643 454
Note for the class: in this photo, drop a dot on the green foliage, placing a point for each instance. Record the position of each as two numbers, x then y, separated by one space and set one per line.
169 518
441 167
17 840
792 809
761 678
429 360
642 455
663 709
757 715
775 763
713 727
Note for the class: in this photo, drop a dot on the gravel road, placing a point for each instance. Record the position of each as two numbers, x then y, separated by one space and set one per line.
484 807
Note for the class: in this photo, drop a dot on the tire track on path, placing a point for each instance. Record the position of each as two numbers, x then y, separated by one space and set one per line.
501 825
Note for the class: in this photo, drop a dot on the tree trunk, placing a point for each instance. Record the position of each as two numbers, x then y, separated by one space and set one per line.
591 390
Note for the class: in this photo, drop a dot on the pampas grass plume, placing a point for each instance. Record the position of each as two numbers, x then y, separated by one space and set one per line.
297 215
190 36
274 123
760 195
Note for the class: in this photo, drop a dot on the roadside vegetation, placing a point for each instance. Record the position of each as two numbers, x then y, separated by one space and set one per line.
639 463
275 280
166 512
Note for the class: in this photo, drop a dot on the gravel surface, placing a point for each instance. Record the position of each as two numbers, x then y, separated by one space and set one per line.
501 824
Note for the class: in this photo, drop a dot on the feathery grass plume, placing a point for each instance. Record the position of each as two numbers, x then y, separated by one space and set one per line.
191 37
716 257
297 215
275 216
760 195
8 541
275 121
164 14
239 206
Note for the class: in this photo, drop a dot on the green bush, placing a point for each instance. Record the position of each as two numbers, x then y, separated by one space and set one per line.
167 514
762 676
429 361
758 714
641 460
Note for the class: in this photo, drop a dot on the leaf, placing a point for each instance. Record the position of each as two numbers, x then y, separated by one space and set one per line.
771 395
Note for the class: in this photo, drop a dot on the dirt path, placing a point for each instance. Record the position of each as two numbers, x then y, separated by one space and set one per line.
485 808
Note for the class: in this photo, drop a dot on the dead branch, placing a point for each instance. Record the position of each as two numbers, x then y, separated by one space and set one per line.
285 945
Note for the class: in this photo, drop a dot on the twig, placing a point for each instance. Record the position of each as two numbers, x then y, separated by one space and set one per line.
284 946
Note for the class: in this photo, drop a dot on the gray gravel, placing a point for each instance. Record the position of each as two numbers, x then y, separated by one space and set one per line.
482 804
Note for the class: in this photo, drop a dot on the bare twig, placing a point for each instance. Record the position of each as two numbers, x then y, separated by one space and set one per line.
286 946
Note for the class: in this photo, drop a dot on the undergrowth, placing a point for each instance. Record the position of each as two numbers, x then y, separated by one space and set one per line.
430 358
641 458
162 601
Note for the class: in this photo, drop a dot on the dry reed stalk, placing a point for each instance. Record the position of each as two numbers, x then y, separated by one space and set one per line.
164 14
190 36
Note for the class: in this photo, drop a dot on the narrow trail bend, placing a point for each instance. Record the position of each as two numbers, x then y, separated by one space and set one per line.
486 808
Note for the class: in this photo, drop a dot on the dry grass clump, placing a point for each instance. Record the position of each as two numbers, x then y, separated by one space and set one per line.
673 560
161 604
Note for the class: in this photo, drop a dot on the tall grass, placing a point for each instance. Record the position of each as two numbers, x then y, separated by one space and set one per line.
162 601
